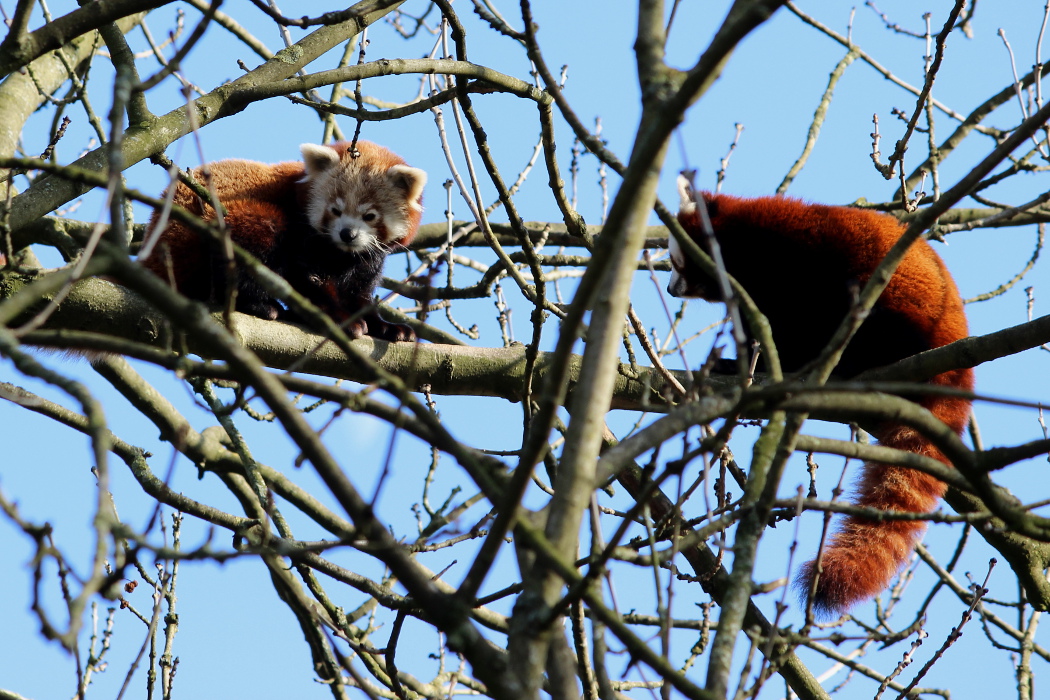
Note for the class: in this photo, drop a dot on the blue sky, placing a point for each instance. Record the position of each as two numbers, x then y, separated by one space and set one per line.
235 638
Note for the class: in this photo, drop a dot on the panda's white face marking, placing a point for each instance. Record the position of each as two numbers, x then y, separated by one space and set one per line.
360 203
677 286
352 228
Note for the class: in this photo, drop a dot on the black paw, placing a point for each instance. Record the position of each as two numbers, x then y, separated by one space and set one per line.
394 332
356 329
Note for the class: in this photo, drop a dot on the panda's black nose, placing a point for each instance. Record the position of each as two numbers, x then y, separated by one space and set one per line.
346 235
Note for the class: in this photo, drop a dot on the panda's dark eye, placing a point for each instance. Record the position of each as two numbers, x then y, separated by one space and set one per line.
369 217
336 211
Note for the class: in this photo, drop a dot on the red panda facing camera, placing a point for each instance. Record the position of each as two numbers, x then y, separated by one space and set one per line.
799 262
325 224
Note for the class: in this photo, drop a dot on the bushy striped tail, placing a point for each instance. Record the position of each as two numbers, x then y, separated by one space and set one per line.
864 555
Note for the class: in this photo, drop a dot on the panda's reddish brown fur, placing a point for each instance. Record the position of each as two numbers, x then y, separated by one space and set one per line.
325 224
798 262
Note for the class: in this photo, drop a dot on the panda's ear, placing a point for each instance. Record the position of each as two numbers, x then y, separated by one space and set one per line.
410 181
318 159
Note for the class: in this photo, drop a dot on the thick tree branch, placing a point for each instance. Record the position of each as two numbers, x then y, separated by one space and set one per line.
20 49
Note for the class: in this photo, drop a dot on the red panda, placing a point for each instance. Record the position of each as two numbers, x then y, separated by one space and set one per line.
798 262
325 224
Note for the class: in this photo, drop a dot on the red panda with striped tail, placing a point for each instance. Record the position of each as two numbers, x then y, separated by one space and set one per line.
325 224
799 262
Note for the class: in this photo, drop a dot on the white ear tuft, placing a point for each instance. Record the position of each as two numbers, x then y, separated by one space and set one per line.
410 180
686 191
317 159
